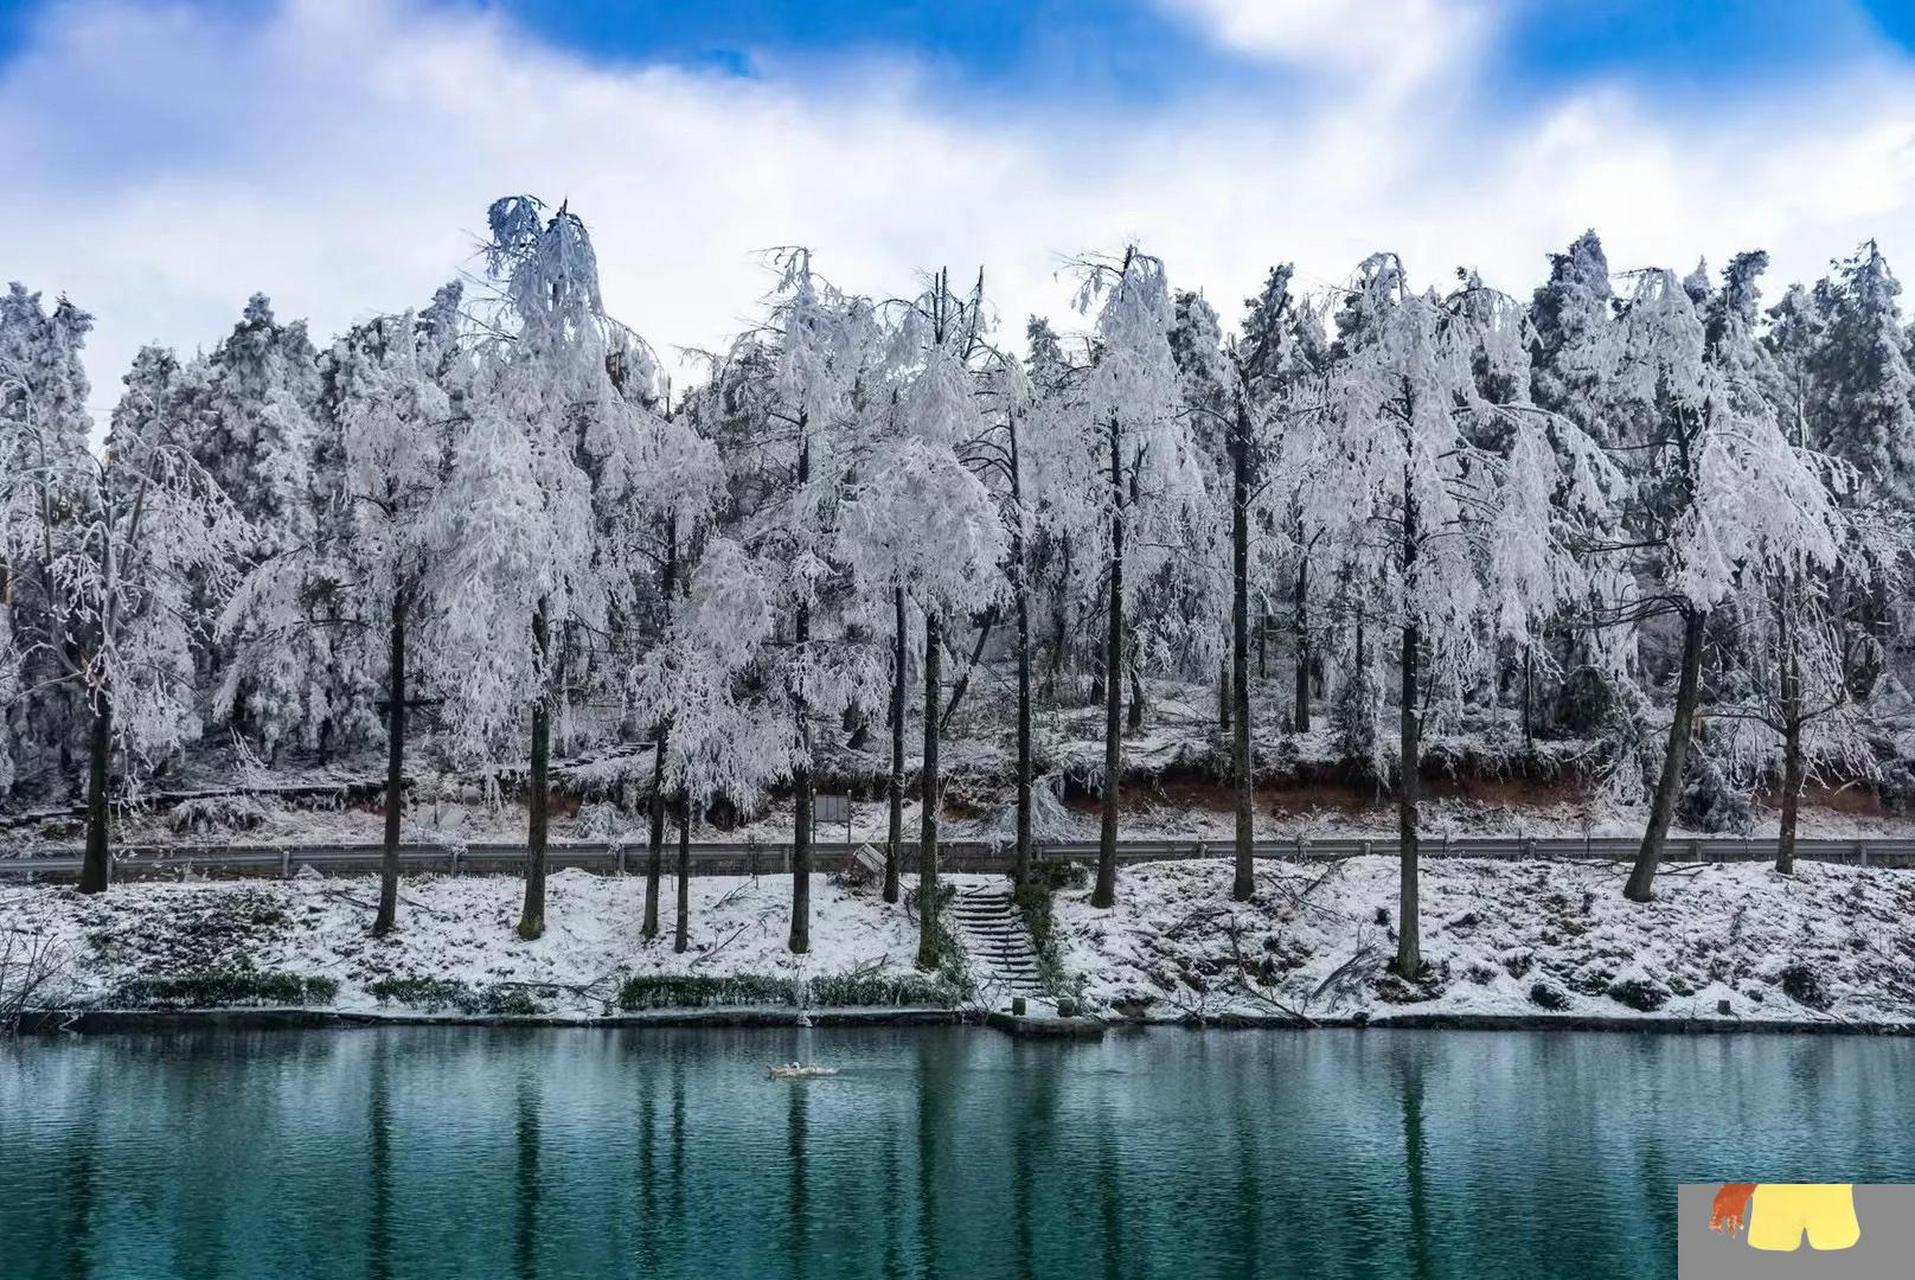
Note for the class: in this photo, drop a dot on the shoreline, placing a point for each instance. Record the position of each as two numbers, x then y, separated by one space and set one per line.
88 1022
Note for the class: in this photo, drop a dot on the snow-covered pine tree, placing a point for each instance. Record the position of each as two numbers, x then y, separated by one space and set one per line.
1863 403
43 415
251 412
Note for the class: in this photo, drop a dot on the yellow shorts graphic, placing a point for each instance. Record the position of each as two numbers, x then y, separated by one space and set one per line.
1781 1211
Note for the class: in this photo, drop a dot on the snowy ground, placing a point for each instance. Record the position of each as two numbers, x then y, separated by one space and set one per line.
1529 938
458 928
1827 944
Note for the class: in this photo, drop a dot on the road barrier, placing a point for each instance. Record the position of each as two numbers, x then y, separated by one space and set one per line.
769 858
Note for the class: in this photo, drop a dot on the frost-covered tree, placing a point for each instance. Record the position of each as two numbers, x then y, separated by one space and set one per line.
1245 390
1437 494
396 381
921 521
111 549
677 673
520 579
1717 496
795 392
1132 424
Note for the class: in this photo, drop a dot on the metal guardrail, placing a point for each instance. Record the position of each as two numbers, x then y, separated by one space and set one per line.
757 857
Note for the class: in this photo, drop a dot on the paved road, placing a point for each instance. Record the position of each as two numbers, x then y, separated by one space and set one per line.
735 858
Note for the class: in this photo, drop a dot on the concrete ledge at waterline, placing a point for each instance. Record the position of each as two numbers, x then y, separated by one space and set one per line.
132 1021
1537 1022
122 1021
1039 1028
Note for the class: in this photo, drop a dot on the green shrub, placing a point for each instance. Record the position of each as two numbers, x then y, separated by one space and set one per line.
1805 986
846 990
697 991
429 994
1034 903
1544 996
435 994
1060 875
223 988
1645 995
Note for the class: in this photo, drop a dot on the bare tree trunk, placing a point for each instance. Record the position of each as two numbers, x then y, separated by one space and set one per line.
655 845
682 928
1134 718
928 801
655 838
96 869
800 941
1409 939
1791 743
1642 878
963 682
1105 894
894 843
388 913
1302 602
1244 883
1021 860
1529 688
532 919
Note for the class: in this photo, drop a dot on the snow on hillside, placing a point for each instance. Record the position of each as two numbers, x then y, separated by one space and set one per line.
1830 943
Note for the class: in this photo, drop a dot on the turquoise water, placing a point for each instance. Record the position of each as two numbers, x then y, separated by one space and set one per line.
416 1152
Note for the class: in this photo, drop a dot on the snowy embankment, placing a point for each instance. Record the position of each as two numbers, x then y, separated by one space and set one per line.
458 930
1517 938
1530 939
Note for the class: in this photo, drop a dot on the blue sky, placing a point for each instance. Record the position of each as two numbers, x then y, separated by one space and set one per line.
1134 50
166 158
1137 51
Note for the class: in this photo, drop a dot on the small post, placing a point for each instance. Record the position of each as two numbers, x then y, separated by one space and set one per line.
285 862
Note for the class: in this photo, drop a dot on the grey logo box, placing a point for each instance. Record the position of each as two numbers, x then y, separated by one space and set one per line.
1886 1212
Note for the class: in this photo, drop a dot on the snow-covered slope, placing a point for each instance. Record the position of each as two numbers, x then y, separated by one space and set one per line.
1827 944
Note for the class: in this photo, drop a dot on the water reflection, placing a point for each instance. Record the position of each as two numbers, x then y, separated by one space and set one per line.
525 1239
935 1153
379 1164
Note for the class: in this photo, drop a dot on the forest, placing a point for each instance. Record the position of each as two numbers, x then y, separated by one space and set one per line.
1645 510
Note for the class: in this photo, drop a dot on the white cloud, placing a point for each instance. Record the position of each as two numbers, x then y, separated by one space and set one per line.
1390 45
339 156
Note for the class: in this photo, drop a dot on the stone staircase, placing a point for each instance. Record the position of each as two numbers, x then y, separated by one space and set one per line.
993 933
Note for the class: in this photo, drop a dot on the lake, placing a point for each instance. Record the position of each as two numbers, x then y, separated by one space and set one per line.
957 1152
